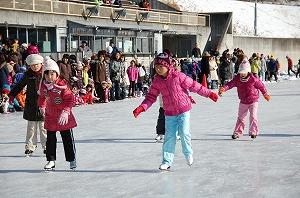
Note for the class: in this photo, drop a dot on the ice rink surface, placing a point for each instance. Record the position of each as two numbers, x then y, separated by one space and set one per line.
117 155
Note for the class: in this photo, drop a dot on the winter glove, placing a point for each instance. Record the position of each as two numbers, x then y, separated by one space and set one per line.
213 96
63 118
267 97
221 91
42 111
192 100
138 111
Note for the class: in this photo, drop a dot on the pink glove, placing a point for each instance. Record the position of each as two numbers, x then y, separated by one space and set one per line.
42 111
63 118
213 96
138 111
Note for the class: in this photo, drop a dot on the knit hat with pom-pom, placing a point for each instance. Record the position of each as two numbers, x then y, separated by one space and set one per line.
163 59
50 64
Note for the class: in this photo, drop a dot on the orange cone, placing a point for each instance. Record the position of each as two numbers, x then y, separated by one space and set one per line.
204 82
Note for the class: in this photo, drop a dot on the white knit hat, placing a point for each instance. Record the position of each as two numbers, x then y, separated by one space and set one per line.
245 67
34 59
50 64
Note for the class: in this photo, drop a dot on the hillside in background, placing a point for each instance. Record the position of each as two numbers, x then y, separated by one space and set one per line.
279 2
275 21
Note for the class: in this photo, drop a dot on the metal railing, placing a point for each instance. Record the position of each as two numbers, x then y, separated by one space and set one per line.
105 11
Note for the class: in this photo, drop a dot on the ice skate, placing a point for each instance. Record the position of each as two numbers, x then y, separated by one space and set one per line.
50 166
177 137
235 136
253 136
44 151
73 165
189 160
164 167
28 152
159 138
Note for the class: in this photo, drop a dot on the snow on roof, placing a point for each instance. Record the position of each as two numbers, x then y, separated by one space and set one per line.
277 21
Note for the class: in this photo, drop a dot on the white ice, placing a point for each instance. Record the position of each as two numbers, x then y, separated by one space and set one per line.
117 156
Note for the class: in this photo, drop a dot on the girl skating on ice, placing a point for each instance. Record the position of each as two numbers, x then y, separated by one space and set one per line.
56 102
174 87
247 87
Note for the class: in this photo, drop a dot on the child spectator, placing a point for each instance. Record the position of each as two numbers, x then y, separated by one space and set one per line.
133 74
247 87
57 109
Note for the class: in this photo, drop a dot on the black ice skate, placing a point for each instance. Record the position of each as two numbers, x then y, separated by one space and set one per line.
159 138
235 136
28 152
253 136
50 166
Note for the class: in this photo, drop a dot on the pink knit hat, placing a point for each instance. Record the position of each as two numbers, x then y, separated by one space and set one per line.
163 59
245 67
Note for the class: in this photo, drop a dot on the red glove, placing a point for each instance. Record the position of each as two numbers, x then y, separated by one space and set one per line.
213 96
221 91
138 111
267 97
192 100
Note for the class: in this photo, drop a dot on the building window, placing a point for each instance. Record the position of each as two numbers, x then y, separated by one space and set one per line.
128 44
32 36
13 33
144 45
22 35
98 44
105 42
74 43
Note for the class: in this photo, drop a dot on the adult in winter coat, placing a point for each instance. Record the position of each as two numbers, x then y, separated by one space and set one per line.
255 64
224 68
65 68
32 78
290 65
272 68
56 102
173 86
116 74
213 72
100 73
204 66
3 71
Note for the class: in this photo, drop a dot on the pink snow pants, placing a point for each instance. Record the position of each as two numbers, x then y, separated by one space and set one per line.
241 120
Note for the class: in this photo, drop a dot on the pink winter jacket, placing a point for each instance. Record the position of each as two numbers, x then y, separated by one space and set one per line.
133 73
247 91
174 90
57 99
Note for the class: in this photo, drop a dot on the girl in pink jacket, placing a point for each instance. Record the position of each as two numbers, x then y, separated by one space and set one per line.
247 87
173 86
133 74
56 102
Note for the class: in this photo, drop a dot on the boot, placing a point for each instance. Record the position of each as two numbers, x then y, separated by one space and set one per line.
106 95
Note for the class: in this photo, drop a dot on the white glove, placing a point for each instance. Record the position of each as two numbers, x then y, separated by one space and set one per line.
63 118
42 111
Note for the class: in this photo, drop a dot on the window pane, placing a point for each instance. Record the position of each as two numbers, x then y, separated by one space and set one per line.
32 36
22 35
105 42
74 43
97 45
138 45
2 33
12 32
128 45
119 43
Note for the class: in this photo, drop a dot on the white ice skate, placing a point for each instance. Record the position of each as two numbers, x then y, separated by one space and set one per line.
189 160
177 137
50 166
159 138
73 165
164 167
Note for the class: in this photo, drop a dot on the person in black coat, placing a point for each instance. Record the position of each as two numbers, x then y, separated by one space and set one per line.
224 68
32 114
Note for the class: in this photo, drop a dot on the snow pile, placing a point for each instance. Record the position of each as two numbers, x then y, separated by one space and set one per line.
276 21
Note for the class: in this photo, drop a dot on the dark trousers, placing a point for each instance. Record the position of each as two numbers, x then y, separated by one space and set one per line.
160 126
271 75
68 142
131 88
100 92
291 70
115 91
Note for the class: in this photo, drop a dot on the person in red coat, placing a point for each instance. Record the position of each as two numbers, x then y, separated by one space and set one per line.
56 102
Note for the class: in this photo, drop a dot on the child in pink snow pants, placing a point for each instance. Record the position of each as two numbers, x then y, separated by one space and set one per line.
173 87
247 87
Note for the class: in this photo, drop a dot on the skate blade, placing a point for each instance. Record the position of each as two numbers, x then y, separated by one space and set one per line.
165 170
72 169
28 155
49 169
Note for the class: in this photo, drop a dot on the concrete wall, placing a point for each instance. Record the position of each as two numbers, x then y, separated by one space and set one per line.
279 47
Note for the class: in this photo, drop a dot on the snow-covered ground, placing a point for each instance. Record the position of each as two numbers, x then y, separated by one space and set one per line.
276 21
117 156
